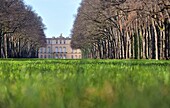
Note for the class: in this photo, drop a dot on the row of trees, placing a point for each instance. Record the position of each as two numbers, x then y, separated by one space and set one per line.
21 30
123 29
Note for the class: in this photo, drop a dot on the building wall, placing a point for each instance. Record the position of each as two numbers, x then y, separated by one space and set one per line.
59 48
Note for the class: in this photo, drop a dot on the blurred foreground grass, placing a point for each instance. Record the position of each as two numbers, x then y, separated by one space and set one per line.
35 83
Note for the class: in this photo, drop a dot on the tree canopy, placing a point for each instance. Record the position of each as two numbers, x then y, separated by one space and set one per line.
21 30
123 29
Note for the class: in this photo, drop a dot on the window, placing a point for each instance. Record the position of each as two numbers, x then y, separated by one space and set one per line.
45 56
72 56
41 50
56 41
78 51
49 50
60 41
41 56
56 56
49 41
44 50
72 50
61 56
64 57
60 49
64 42
49 56
64 49
56 49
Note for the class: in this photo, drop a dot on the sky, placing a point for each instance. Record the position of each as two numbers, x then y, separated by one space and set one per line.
58 15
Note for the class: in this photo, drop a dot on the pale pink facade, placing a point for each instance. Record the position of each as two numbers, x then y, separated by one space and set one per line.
59 48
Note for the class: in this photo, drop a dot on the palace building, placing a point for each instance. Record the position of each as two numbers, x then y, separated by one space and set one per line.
59 48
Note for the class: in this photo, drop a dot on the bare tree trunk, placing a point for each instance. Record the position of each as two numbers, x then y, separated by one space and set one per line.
124 42
146 44
0 45
163 44
120 49
117 44
112 48
100 49
136 40
112 41
110 45
156 39
140 42
5 46
149 43
104 49
108 48
133 44
128 46
166 38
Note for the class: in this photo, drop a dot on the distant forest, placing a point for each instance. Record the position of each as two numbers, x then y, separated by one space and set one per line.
21 30
123 29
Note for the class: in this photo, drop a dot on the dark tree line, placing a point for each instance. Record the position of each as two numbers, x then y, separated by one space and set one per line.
123 29
21 30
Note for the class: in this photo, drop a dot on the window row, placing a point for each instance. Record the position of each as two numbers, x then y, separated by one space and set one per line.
61 56
76 56
75 51
49 50
56 41
60 49
57 56
45 50
45 56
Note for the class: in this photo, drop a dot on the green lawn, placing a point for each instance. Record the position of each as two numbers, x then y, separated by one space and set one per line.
37 83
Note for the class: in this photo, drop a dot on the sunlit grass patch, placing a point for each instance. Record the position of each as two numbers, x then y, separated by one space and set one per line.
35 83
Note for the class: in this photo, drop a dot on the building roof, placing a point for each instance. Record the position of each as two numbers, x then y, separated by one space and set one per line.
60 37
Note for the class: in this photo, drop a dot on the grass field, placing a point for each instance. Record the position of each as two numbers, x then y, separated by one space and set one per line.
35 83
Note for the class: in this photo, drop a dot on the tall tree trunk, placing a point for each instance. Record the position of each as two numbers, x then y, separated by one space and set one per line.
5 46
0 44
166 38
1 34
128 45
169 39
104 49
109 51
8 45
163 43
112 48
117 45
133 44
124 42
156 39
120 47
100 49
146 44
140 43
149 42
136 55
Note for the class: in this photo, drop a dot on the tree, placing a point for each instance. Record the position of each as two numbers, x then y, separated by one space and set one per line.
123 28
22 30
